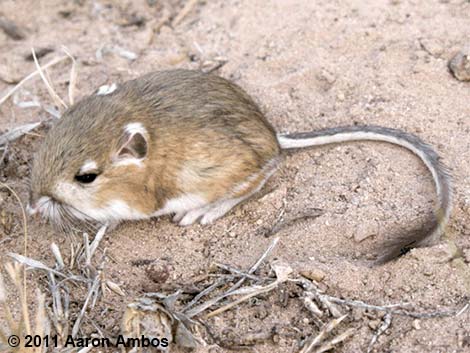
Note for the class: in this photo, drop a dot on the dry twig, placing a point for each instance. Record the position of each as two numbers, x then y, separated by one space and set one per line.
232 290
316 340
73 76
30 76
190 4
17 132
55 97
387 321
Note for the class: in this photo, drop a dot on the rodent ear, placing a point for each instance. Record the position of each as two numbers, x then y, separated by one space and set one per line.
132 145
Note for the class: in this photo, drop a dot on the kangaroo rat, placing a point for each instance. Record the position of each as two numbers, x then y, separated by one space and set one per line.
185 143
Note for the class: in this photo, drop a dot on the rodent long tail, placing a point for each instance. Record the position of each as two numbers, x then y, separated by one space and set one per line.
427 233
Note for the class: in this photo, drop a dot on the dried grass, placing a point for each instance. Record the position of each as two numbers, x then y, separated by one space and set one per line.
30 76
20 325
80 271
73 76
55 97
190 324
190 4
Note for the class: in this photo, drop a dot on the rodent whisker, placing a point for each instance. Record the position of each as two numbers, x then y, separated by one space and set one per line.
70 215
65 222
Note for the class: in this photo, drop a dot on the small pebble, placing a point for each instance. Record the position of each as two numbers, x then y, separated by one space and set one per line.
365 230
466 255
427 272
406 289
432 46
327 76
158 272
374 324
357 314
459 65
314 274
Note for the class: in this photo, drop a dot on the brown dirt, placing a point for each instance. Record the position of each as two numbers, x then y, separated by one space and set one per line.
309 64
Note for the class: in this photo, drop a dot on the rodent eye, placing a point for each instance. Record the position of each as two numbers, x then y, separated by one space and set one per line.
86 178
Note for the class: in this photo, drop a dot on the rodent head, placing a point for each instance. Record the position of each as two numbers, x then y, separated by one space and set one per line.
92 165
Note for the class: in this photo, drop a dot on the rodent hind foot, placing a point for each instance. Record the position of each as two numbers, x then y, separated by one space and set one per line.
191 216
219 209
178 217
206 214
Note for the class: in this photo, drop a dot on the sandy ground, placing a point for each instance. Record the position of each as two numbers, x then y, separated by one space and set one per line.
310 65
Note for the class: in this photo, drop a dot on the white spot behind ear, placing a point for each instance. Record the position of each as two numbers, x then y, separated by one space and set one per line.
132 146
88 166
134 128
106 89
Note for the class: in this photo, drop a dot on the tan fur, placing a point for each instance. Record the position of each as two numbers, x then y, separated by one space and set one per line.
205 137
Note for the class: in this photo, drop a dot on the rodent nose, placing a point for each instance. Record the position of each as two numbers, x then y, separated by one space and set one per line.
33 205
31 208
